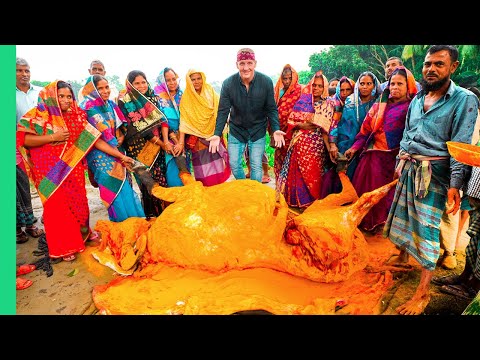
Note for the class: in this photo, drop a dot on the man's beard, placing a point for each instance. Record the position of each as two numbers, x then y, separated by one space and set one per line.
434 86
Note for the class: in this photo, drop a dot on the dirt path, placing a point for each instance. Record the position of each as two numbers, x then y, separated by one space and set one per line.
72 295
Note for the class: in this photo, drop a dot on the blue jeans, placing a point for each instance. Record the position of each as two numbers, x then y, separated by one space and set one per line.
236 150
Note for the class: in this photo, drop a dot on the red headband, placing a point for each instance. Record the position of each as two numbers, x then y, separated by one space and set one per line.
245 55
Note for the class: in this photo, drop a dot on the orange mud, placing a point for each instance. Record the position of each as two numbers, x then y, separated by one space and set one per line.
175 290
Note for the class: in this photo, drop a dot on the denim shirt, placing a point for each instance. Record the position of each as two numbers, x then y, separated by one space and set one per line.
451 118
249 110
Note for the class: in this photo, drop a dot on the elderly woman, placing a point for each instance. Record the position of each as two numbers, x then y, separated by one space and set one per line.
300 178
198 115
113 179
378 143
57 137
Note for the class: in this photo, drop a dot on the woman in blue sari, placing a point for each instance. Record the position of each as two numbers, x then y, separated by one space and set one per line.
114 181
169 93
342 134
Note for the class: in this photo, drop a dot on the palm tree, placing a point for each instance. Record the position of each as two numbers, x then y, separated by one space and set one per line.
409 52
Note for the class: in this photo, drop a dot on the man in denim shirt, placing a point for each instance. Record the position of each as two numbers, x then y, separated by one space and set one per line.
248 98
429 178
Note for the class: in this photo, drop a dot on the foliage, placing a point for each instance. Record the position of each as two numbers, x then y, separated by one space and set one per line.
40 83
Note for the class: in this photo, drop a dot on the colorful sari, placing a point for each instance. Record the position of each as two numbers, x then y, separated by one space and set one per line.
378 143
338 102
198 118
170 106
300 178
285 101
58 170
343 132
143 120
114 182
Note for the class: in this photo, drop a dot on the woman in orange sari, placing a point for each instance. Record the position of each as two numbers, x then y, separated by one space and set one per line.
57 137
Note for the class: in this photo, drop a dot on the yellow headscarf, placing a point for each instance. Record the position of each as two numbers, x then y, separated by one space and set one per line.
198 112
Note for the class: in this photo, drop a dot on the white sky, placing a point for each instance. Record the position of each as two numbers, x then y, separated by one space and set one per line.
71 62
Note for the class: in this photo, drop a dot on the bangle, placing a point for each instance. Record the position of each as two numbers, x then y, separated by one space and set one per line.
155 143
123 159
180 143
52 137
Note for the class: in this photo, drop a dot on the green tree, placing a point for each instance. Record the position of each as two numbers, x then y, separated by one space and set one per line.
114 81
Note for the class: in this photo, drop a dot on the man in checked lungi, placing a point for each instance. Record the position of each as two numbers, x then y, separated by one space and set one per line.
429 179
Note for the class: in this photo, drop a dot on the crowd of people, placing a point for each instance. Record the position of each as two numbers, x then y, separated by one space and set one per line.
396 129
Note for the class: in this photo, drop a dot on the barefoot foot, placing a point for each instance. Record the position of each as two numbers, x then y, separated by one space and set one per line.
414 306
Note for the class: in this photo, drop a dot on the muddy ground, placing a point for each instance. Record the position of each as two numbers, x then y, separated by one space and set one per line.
64 294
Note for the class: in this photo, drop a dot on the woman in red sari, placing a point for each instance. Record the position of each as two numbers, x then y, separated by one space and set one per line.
287 92
300 178
57 136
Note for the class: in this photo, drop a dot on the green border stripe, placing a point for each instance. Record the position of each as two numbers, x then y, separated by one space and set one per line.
8 182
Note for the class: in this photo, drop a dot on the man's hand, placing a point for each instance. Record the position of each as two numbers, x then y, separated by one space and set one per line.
278 138
453 201
214 143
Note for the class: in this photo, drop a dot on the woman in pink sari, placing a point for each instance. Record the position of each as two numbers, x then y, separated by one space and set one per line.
379 142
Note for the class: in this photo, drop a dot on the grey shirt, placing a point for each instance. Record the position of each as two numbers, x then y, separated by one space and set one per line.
451 118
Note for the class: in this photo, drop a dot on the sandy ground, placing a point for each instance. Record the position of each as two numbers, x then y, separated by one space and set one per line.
67 294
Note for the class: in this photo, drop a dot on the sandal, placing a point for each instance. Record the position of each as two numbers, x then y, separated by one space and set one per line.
447 280
22 283
25 269
266 179
69 257
461 291
34 231
93 236
22 237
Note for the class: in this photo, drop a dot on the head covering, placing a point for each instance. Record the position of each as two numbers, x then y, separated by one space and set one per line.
279 84
383 100
339 84
101 114
46 119
355 97
305 109
142 113
245 54
108 170
198 112
168 104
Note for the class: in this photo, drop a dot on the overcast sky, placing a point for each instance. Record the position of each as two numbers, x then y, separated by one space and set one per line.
71 62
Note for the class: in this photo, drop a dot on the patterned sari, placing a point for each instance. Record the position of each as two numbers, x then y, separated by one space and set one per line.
143 120
170 106
300 177
378 143
58 170
197 119
114 182
285 101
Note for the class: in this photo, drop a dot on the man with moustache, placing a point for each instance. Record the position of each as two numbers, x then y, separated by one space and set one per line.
429 178
391 64
247 97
